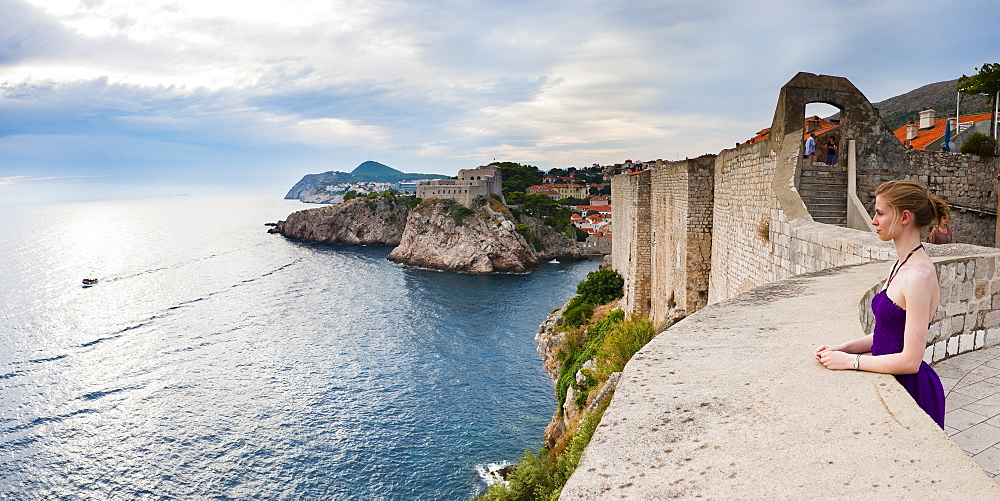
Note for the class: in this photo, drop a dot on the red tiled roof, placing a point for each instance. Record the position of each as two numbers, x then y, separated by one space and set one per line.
933 133
824 127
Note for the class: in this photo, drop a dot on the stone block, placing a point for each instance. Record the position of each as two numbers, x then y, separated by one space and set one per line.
970 321
947 274
954 308
981 288
953 346
940 350
980 339
929 354
934 332
956 327
992 337
970 269
992 319
959 272
966 342
964 291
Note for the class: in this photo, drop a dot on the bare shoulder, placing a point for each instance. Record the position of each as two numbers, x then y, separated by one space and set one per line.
921 278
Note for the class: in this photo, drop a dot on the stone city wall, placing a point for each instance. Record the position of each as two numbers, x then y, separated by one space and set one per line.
680 237
966 181
632 225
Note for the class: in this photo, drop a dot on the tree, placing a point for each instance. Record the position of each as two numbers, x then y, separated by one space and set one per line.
987 81
517 177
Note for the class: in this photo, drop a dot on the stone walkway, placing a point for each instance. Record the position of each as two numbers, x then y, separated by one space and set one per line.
972 419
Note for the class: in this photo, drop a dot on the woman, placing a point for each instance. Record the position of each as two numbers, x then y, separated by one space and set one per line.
906 304
940 234
831 151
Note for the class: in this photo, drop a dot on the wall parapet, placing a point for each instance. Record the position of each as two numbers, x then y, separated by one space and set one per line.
730 403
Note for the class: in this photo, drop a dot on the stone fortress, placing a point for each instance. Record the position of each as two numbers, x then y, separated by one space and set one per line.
728 403
482 181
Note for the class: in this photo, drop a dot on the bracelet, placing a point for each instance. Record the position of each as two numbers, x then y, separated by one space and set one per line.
857 360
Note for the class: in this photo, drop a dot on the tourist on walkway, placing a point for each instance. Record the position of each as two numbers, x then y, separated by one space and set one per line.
810 147
831 151
904 307
940 234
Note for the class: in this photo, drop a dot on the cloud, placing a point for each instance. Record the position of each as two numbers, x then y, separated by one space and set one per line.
6 181
205 88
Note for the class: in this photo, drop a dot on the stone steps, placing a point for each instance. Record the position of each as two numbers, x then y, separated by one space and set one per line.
823 189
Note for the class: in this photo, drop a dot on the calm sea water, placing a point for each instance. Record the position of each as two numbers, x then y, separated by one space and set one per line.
216 361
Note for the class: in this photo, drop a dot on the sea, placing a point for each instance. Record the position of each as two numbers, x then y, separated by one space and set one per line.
213 360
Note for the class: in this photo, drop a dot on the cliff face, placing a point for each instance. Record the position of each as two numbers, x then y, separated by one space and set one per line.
444 235
308 184
359 221
437 234
555 245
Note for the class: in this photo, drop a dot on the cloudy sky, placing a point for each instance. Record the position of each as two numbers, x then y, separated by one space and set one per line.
111 98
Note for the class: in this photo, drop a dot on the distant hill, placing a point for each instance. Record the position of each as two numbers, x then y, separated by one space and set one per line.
375 169
369 171
940 97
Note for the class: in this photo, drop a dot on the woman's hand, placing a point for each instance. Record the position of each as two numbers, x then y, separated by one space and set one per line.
824 347
834 359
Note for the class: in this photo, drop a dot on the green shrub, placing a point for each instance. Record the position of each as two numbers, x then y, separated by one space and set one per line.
620 342
980 144
578 314
350 195
601 287
529 237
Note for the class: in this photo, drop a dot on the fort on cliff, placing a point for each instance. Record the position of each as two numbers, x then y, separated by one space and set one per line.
482 181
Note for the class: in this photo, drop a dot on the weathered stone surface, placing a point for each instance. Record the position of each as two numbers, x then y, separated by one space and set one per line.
442 235
729 403
438 236
360 221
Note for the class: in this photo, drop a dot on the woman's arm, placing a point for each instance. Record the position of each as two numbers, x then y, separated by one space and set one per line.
917 299
859 345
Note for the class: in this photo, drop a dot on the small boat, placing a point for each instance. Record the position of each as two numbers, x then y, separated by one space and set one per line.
89 282
554 261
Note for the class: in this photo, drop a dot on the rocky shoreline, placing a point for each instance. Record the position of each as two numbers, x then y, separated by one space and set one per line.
436 234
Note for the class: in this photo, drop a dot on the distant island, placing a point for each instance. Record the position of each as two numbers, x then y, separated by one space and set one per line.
369 177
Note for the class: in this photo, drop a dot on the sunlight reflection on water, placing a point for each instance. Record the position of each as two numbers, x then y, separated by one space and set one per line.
215 360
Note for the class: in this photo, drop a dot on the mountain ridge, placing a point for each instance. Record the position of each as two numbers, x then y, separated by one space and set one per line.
368 171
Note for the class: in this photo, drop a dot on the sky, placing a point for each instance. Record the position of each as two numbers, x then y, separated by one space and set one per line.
131 98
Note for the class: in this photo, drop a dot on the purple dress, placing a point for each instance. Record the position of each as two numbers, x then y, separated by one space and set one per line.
924 386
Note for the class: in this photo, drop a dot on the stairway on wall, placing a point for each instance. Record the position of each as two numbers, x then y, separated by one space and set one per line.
823 189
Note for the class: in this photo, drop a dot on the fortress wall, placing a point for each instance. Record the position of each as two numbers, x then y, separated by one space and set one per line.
471 184
630 247
745 212
966 181
681 237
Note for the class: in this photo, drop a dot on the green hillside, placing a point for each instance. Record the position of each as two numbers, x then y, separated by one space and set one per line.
375 169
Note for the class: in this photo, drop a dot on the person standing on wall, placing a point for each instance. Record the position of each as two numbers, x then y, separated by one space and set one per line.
831 151
940 234
810 147
906 304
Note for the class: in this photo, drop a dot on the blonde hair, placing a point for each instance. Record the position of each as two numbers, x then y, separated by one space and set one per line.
912 196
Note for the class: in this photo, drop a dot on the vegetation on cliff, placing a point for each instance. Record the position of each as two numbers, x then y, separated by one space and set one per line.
589 356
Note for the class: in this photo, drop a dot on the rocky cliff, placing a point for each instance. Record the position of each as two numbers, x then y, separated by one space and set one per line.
360 221
436 234
445 235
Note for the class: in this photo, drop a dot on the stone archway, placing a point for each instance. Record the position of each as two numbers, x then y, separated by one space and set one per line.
875 147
